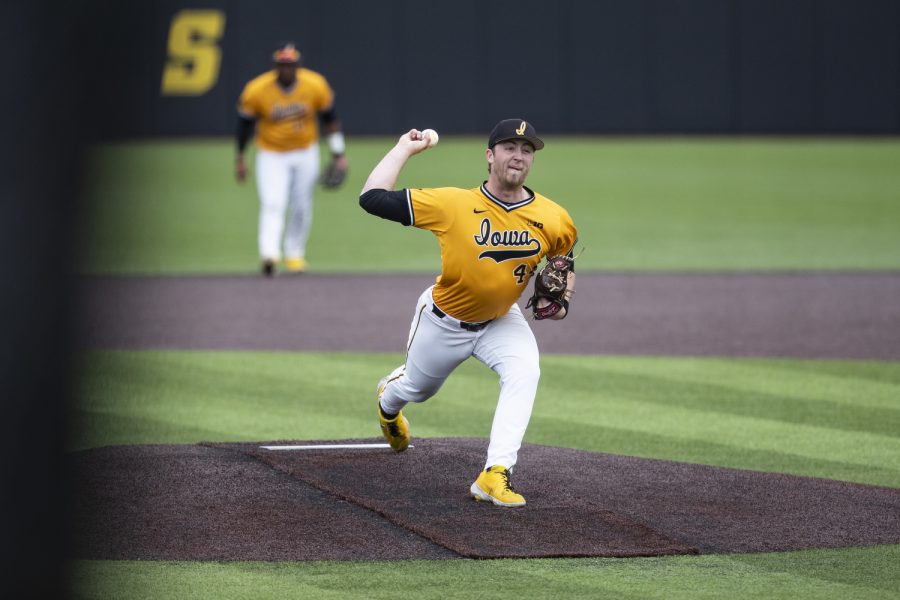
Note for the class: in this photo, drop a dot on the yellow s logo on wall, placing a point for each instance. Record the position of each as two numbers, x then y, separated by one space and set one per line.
192 67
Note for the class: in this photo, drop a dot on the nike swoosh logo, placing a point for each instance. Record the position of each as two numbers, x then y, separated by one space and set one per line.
478 212
500 255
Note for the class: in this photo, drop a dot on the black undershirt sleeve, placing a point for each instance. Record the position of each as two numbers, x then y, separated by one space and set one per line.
329 116
387 205
244 129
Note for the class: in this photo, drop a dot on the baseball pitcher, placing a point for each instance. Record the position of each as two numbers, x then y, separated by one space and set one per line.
492 239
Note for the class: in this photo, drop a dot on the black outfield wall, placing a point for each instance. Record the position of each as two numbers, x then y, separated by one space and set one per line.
571 66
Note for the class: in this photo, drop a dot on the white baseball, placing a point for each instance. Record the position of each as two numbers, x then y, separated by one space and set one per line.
432 137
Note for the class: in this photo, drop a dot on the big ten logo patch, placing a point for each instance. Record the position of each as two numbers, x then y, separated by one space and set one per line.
194 56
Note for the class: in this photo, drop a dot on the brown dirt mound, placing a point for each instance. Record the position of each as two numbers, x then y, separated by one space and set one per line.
241 502
201 503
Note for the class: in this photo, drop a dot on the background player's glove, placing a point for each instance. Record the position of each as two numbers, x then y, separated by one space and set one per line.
550 285
333 176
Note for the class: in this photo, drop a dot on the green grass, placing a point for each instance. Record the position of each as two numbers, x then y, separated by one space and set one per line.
640 204
834 419
854 573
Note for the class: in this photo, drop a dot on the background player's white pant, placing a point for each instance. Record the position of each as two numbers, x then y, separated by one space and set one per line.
285 181
437 346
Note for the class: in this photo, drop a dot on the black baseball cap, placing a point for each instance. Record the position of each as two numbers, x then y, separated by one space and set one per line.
515 129
286 54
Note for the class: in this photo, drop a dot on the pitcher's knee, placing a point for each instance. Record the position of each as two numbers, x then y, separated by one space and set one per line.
523 377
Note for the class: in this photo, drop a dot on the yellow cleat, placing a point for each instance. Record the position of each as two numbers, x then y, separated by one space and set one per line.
295 265
396 430
493 485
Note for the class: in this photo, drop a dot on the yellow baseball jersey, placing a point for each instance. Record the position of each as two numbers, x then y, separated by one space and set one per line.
489 250
286 119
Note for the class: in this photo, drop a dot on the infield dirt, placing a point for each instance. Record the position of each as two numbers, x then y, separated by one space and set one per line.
801 315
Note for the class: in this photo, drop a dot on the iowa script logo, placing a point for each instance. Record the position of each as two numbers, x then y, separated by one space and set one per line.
506 245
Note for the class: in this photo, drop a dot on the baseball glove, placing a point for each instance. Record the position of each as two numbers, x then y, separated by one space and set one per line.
333 176
550 285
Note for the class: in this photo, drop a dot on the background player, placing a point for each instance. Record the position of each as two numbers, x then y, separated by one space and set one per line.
492 238
286 104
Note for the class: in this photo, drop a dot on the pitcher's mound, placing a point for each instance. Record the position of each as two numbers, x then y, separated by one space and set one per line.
244 502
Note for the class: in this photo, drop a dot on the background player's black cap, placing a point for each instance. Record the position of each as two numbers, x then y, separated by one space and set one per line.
286 53
515 129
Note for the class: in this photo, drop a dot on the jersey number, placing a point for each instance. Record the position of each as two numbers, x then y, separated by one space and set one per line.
521 273
192 67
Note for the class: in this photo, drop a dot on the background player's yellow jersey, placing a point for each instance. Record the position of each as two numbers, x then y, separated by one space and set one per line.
489 250
286 119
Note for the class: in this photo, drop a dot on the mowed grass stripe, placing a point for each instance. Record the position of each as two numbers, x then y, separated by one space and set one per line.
626 441
188 397
592 403
858 383
823 574
742 433
733 388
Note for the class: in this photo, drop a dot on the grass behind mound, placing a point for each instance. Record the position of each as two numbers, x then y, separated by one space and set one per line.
639 203
833 419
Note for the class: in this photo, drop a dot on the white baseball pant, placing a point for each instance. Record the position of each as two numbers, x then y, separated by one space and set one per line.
285 181
436 346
